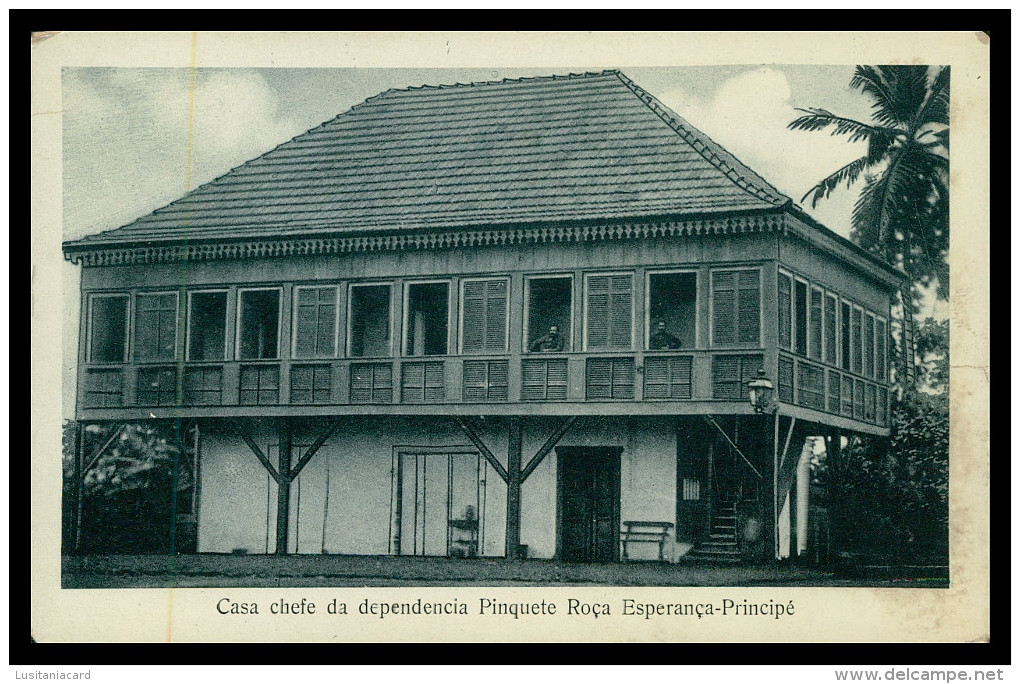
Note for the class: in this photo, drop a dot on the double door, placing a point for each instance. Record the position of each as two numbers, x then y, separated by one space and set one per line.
439 504
588 483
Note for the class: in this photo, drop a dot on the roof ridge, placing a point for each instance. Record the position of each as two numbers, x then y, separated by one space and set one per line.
714 153
477 84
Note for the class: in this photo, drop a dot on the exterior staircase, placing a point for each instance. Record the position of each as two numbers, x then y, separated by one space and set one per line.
721 545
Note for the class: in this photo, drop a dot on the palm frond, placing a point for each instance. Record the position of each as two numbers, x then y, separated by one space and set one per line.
816 119
909 85
871 81
847 174
936 108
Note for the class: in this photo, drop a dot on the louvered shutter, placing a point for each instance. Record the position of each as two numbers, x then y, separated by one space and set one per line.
598 380
623 378
748 307
785 309
724 297
869 346
831 334
475 381
833 396
725 370
786 379
656 377
815 325
412 383
435 389
610 301
485 307
361 383
880 360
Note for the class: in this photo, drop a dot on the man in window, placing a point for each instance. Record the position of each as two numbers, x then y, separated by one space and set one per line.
550 342
661 339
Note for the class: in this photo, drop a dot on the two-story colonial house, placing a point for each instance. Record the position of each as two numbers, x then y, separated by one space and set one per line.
514 318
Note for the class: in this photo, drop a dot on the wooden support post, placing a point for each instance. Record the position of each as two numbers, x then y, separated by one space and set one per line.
174 479
513 488
79 483
283 488
836 509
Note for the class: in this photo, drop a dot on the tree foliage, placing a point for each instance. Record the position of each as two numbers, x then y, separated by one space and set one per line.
902 211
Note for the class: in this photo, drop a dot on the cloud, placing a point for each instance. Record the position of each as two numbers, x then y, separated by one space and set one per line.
748 114
137 139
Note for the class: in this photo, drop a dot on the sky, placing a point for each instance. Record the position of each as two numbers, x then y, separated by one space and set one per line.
137 139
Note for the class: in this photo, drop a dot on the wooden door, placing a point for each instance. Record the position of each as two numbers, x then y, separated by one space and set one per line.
588 503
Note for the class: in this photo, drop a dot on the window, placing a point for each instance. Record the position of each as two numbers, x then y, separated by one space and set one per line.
869 345
155 326
668 377
800 324
609 309
371 383
370 320
785 311
484 315
785 379
108 328
258 330
880 346
485 380
609 378
549 303
672 310
730 375
311 384
810 386
815 324
543 379
315 322
831 329
260 385
427 322
207 326
844 317
856 339
422 381
736 307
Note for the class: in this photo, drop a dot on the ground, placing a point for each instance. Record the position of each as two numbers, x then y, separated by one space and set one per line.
211 570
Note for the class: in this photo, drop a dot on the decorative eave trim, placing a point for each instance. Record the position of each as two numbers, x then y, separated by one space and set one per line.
308 246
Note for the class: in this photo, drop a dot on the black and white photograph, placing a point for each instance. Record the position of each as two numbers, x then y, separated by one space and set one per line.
577 329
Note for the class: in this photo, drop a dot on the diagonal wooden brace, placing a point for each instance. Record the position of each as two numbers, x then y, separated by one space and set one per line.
711 421
477 441
553 440
316 445
257 451
102 450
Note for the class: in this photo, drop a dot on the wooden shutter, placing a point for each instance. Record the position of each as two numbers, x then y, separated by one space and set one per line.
815 325
880 341
749 307
315 333
786 379
610 302
856 338
203 385
311 384
833 392
155 327
831 333
484 311
845 336
731 373
667 377
103 387
157 387
609 378
422 382
485 380
543 379
847 396
881 406
810 388
260 385
724 299
869 346
785 310
800 317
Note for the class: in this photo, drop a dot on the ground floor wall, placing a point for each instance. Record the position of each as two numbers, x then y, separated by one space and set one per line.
388 485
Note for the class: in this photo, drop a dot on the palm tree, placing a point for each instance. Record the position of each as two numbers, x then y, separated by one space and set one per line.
902 212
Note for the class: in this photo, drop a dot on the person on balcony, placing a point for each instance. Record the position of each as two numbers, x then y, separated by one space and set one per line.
550 342
661 339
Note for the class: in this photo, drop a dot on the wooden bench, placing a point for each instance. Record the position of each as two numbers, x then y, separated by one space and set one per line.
645 531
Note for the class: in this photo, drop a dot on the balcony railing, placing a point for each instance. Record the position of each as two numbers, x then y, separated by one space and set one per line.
592 377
